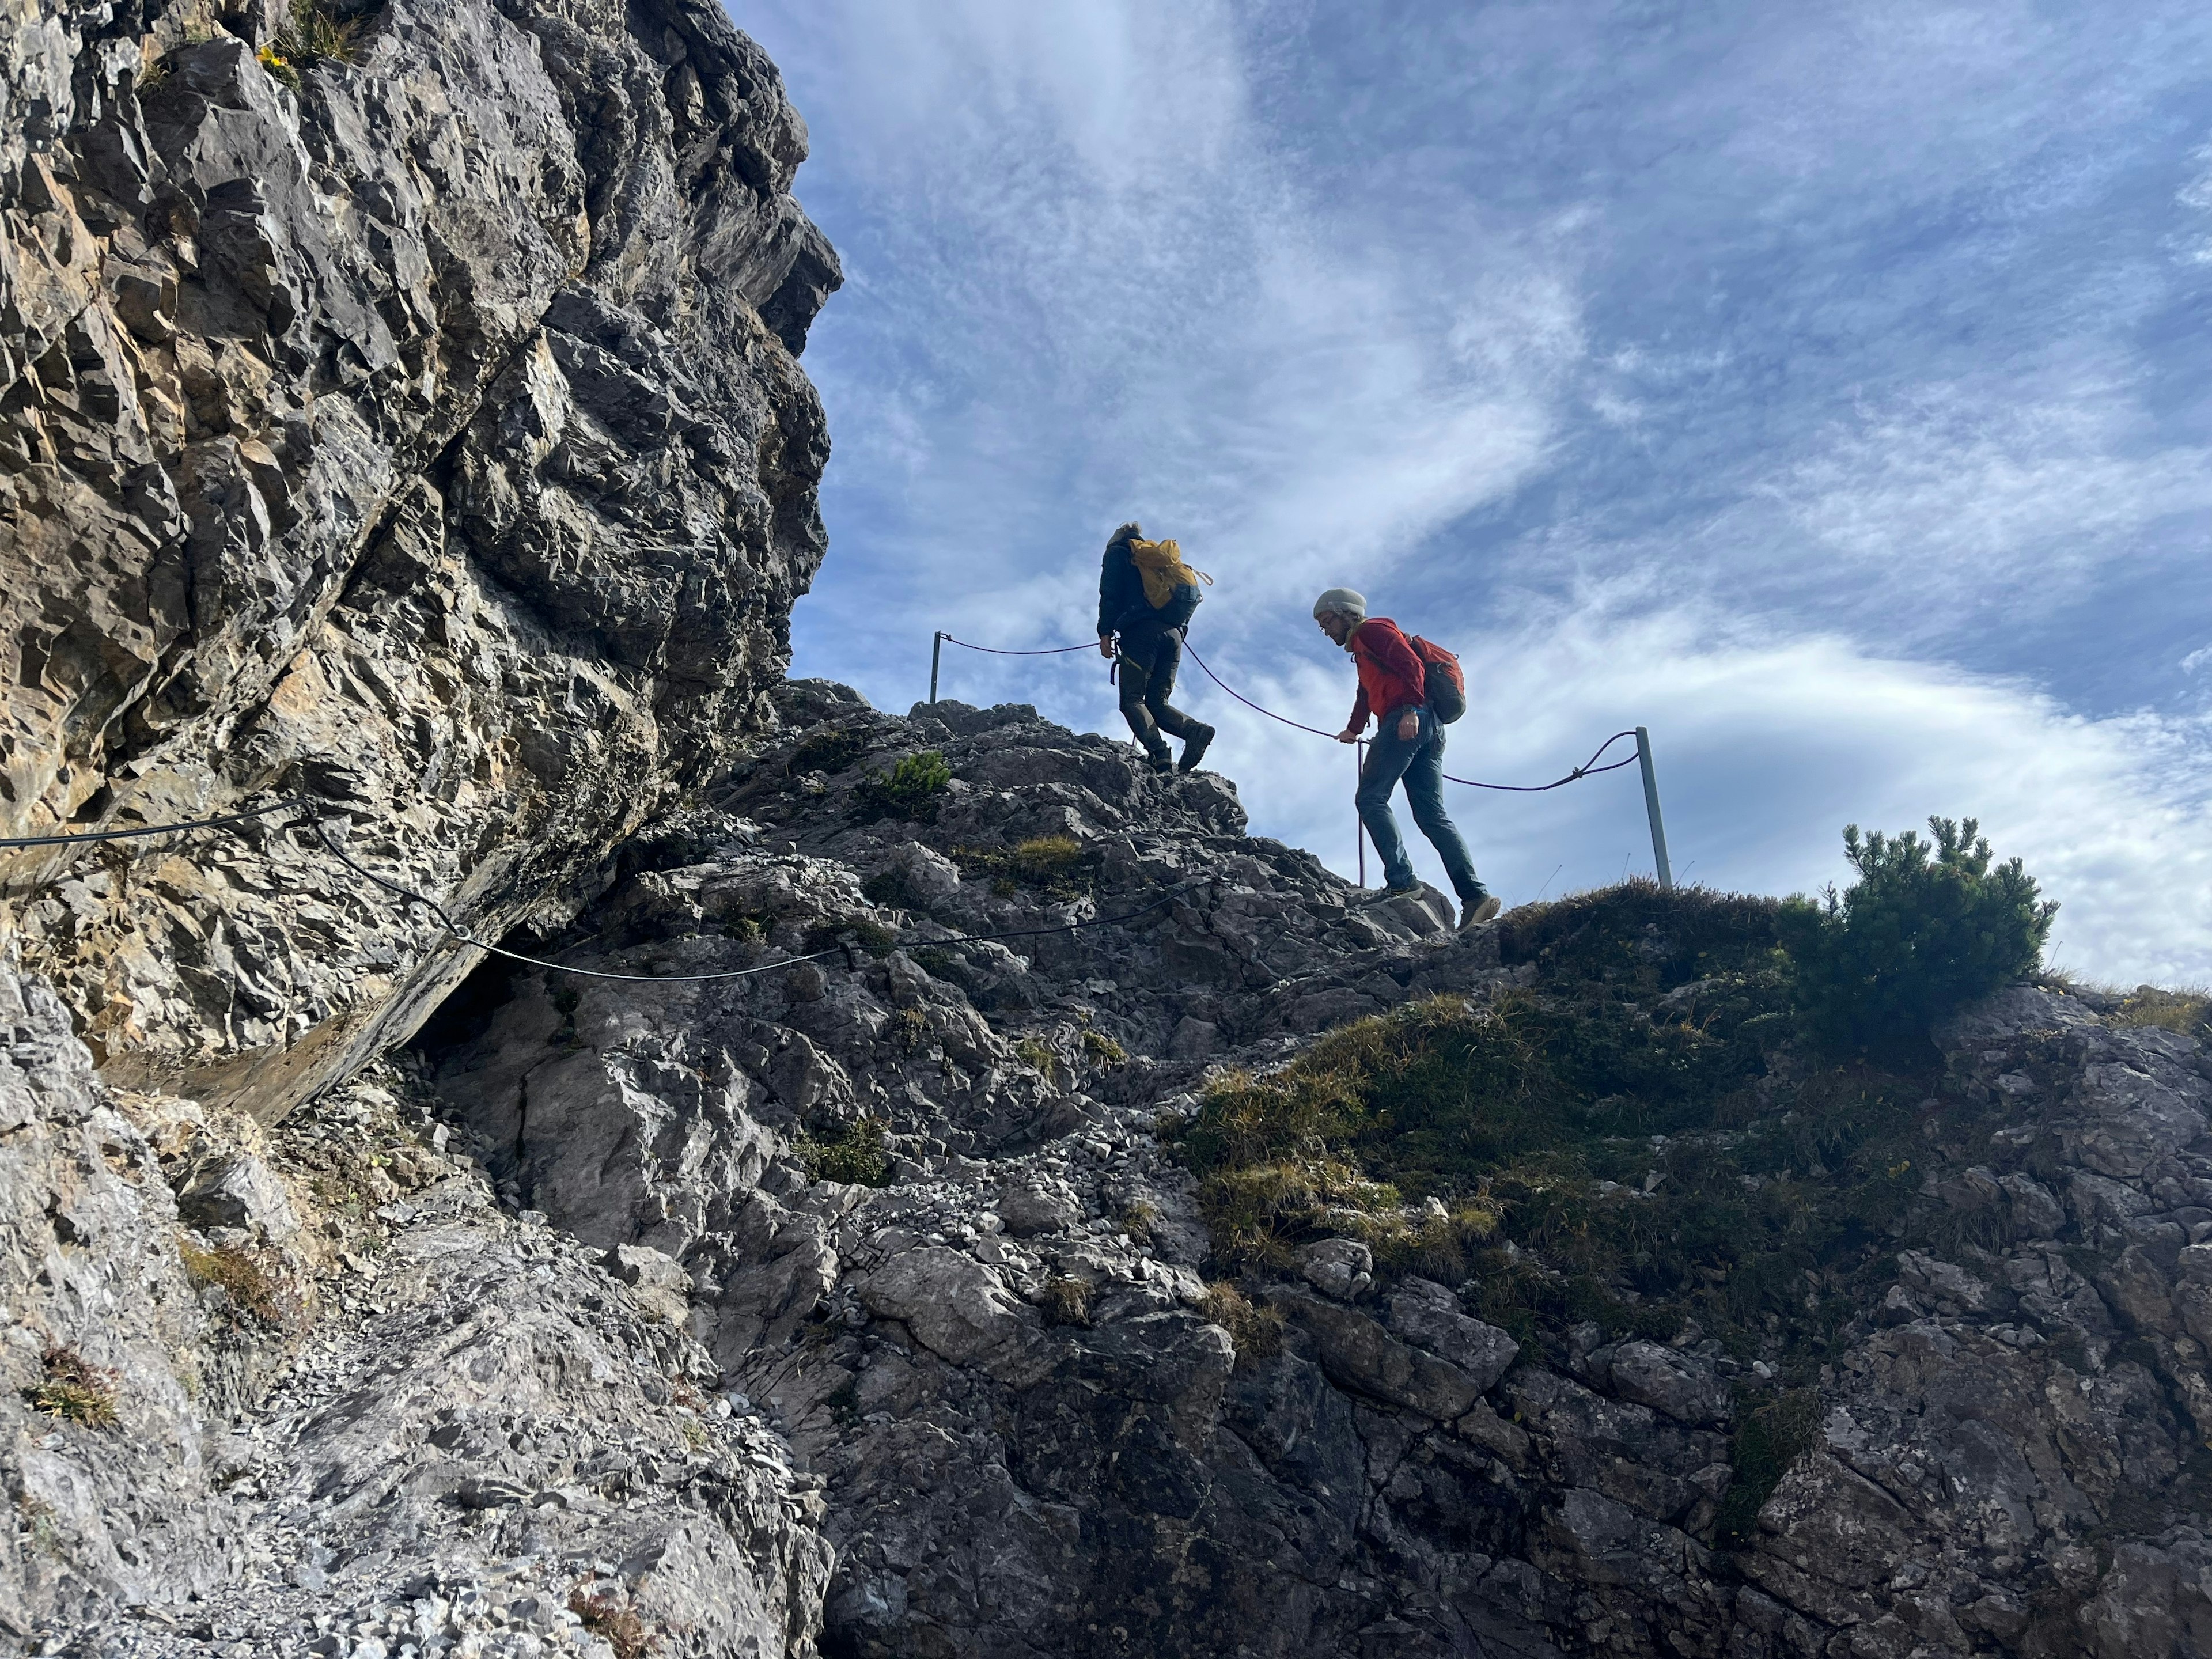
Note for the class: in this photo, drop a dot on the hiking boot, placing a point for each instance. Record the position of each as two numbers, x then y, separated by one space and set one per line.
1479 911
1161 761
1194 749
1384 895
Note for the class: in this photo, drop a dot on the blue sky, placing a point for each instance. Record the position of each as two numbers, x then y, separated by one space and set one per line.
1823 386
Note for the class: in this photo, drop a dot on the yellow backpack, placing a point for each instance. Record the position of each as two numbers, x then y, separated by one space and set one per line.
1160 564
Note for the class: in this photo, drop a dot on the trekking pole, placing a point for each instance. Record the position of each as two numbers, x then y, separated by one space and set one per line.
936 655
1651 805
1359 829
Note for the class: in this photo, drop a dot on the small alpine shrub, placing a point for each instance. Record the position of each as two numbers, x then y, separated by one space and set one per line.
1102 1050
889 887
1035 1053
1928 925
280 67
854 1155
909 790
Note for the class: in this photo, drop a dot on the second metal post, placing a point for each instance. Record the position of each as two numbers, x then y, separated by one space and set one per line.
1651 805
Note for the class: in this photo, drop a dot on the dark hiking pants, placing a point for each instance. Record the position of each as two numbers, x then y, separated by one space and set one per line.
1148 659
1420 763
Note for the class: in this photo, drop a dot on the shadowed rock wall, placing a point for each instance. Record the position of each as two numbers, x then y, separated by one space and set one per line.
428 441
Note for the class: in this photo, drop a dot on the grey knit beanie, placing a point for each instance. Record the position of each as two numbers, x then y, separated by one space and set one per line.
1343 602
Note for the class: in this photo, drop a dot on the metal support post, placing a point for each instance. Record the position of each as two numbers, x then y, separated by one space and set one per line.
936 655
1651 805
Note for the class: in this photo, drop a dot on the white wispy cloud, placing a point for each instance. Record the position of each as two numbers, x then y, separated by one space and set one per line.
1747 376
1114 295
1966 500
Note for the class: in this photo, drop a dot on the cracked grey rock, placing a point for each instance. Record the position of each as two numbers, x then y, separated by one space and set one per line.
427 444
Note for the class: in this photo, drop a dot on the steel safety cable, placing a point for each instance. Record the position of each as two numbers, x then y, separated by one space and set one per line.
451 927
999 650
223 823
1587 768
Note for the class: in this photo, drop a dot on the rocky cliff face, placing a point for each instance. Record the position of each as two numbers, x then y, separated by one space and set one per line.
399 409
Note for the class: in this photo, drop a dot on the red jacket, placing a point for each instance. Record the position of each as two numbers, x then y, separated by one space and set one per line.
1391 676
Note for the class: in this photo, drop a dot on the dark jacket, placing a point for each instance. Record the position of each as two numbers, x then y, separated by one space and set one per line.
1122 606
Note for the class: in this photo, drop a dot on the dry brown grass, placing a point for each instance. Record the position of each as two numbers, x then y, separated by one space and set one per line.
1256 1330
614 1622
2188 1011
251 1288
1065 1301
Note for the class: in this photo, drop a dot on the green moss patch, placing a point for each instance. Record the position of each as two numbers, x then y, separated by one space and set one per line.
1632 1139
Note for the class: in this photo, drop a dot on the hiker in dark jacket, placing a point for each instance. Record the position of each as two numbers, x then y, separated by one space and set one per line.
1408 743
1149 640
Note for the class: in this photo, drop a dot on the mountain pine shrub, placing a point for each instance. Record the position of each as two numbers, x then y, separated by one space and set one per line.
1928 925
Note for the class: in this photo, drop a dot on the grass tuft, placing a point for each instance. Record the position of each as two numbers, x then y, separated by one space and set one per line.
2189 1012
251 1288
1058 866
1102 1050
1767 1441
614 1622
1065 1301
315 35
75 1390
1606 1142
1255 1330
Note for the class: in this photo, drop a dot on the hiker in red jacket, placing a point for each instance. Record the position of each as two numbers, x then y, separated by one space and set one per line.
1408 743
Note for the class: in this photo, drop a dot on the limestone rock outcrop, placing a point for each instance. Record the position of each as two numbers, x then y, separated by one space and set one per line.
1036 1438
400 412
860 1302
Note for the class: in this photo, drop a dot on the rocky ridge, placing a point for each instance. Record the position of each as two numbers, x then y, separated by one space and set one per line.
587 1326
1009 1366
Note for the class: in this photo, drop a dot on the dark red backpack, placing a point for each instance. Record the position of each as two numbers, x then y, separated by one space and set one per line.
1441 674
